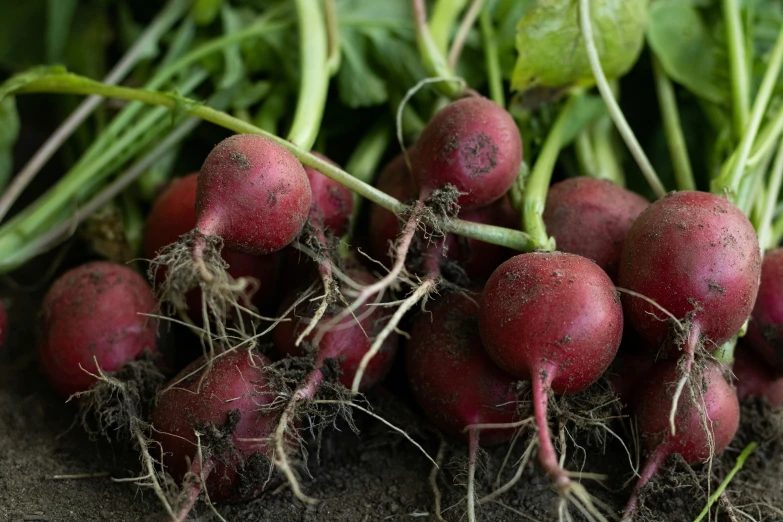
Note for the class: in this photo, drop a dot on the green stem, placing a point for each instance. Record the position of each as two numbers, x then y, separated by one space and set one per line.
675 138
462 32
74 84
433 59
585 155
773 192
537 184
333 32
314 74
492 57
611 104
767 139
602 133
738 65
750 186
444 15
730 180
722 487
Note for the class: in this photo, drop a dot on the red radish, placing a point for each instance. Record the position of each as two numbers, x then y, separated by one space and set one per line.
473 144
396 181
697 441
94 313
332 203
765 331
556 319
174 214
625 374
252 196
252 193
590 217
756 379
330 214
454 380
445 343
697 256
346 342
227 408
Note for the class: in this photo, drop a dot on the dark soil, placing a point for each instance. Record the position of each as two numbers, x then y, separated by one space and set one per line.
375 477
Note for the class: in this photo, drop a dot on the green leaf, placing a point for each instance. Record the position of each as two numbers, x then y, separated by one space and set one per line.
9 132
586 110
58 26
359 86
17 81
551 49
680 39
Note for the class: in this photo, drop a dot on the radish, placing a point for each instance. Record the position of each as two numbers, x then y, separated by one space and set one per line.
345 344
708 420
93 321
591 217
332 203
556 319
340 346
756 379
625 374
330 215
176 207
474 145
384 226
694 257
213 428
456 383
252 196
765 330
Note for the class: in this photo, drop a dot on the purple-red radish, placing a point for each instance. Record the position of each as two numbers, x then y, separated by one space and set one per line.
454 380
590 217
252 196
346 342
332 203
384 226
173 214
555 319
228 407
707 421
473 144
330 215
696 256
754 378
625 374
95 314
765 330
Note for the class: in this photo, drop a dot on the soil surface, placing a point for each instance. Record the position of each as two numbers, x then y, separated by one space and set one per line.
377 476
